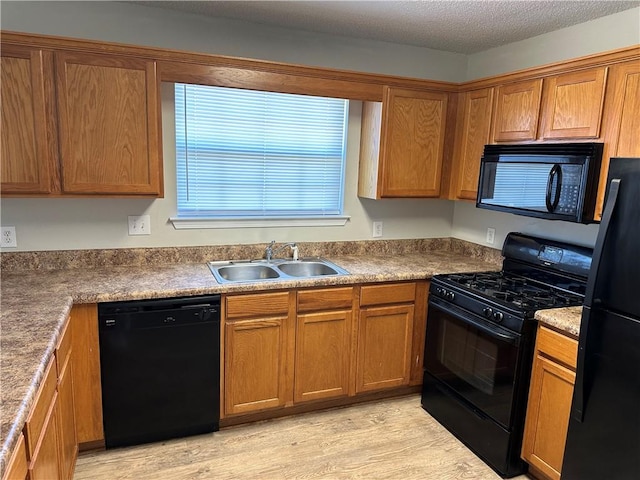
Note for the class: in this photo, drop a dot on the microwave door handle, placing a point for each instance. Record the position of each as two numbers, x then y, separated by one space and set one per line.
551 206
556 200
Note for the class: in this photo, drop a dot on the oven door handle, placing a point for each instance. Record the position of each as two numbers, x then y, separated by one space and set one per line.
497 333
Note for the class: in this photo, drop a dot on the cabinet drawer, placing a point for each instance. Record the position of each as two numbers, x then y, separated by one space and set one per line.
38 415
63 349
17 465
558 346
325 299
262 304
389 293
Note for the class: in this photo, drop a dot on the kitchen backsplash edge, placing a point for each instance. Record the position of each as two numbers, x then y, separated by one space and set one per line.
70 259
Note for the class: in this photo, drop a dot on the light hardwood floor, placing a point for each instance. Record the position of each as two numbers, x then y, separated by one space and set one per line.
392 438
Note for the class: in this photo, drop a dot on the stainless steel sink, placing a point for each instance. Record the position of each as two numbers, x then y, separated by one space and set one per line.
246 272
276 269
307 269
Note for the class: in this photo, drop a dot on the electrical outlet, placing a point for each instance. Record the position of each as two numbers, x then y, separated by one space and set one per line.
139 225
491 235
377 229
8 237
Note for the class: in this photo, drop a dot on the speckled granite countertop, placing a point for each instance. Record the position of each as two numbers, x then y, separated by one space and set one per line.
564 319
36 303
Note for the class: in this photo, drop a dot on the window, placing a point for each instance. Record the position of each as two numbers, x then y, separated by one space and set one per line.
251 154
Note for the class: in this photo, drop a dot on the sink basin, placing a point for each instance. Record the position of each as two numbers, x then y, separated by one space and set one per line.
306 269
245 272
277 269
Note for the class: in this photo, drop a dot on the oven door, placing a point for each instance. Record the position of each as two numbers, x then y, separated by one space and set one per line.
474 358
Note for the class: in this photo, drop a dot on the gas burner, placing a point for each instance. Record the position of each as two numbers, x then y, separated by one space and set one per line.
516 291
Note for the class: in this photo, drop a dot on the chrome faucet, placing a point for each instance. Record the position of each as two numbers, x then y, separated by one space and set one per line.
269 251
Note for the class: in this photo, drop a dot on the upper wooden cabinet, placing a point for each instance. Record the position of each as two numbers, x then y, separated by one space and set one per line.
474 117
78 123
402 144
29 148
572 104
109 124
621 120
517 111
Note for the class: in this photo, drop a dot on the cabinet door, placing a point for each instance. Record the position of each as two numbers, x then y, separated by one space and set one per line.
44 464
323 342
87 392
412 143
476 108
621 124
548 412
68 441
573 104
29 156
108 111
384 347
17 465
517 110
254 364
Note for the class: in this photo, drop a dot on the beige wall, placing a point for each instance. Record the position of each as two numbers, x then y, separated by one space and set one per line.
56 224
52 224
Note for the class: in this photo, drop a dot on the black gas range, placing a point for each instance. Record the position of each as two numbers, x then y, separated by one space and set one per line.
480 338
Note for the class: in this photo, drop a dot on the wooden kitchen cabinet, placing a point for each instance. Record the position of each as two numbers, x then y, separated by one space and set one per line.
87 391
385 329
17 465
41 429
45 462
549 407
108 110
517 108
67 436
29 141
572 104
474 117
402 144
79 123
323 344
621 120
256 352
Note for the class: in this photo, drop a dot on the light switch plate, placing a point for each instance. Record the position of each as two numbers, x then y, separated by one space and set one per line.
139 225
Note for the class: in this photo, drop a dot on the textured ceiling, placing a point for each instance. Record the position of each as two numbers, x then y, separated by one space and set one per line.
463 26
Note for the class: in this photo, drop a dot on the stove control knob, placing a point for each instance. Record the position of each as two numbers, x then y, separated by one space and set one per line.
487 312
441 291
498 316
450 296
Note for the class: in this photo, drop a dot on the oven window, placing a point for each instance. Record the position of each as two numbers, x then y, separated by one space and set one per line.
468 355
479 366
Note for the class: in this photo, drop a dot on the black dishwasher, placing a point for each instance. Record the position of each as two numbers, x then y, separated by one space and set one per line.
160 368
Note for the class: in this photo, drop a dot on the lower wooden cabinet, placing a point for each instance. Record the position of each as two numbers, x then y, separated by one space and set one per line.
549 407
45 462
255 352
17 465
384 347
287 348
323 344
386 335
87 391
67 437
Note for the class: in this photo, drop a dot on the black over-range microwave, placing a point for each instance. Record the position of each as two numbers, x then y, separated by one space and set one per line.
554 181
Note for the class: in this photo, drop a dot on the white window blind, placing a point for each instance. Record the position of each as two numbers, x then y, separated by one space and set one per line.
247 154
